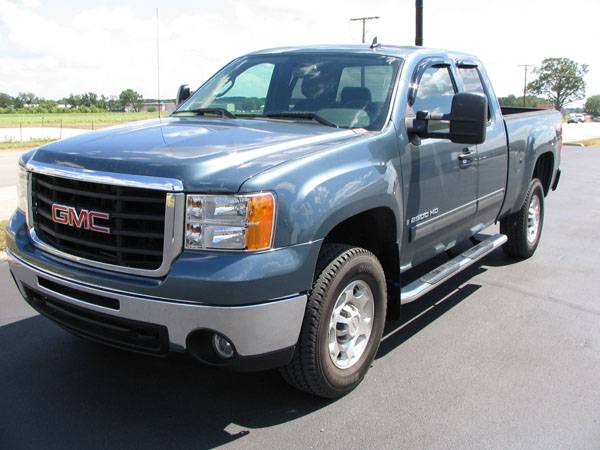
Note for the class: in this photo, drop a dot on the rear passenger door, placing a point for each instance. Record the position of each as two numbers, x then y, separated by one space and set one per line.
492 155
440 195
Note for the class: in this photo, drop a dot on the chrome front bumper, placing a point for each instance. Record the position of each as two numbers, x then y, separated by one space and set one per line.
254 329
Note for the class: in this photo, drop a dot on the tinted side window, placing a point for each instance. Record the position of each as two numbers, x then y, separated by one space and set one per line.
472 82
435 91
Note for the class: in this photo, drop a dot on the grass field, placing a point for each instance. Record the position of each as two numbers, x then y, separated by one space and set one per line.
72 120
25 145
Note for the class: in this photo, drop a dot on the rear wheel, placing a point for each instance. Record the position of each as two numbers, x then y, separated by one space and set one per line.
343 323
524 228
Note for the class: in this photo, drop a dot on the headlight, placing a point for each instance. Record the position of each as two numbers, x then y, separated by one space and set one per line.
229 222
22 183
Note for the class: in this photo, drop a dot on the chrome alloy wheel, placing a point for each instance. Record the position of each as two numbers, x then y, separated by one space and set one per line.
533 219
351 324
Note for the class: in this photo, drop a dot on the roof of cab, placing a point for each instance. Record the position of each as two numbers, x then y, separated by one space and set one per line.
388 50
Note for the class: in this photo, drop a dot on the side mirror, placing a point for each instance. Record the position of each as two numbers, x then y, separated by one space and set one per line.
466 123
469 118
183 93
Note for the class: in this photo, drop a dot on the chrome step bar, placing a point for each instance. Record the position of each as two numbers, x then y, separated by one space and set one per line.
436 277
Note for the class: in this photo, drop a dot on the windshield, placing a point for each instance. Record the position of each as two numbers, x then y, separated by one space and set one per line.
348 91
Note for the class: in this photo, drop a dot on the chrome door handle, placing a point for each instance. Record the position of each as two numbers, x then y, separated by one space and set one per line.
466 157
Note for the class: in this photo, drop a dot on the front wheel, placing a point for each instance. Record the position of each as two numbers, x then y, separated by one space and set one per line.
524 228
343 323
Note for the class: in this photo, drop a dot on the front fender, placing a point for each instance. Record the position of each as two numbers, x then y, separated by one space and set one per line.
317 192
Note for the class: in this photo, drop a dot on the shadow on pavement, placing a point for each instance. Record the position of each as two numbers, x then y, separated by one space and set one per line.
419 314
57 391
500 259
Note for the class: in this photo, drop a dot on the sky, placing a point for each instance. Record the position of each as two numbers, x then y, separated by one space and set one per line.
55 48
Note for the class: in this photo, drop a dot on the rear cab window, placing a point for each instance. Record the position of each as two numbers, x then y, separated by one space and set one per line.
472 83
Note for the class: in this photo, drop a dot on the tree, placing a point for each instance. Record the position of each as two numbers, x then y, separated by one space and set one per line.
561 80
592 105
73 100
102 102
6 101
25 98
131 100
113 104
531 101
89 99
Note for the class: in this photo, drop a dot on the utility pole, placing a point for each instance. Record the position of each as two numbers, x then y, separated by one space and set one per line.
419 23
157 63
526 68
364 20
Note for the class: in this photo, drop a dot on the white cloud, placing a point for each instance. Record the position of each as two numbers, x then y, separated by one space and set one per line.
31 3
105 49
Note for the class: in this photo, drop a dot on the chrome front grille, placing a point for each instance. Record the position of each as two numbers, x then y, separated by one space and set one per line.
136 221
144 223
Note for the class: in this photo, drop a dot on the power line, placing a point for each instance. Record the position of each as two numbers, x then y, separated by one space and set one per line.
364 21
525 67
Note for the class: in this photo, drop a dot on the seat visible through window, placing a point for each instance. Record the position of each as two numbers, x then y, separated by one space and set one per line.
355 97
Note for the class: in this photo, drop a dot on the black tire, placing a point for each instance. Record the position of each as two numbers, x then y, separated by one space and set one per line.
515 225
312 369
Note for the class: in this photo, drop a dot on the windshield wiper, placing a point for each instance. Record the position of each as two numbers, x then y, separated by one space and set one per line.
201 111
302 115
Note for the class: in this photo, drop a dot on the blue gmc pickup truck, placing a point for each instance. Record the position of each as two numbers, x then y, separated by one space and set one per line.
271 219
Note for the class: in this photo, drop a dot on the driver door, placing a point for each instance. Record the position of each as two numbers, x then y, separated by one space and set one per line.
440 177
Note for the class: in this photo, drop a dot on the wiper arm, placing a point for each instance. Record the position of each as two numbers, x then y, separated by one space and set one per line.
201 111
302 115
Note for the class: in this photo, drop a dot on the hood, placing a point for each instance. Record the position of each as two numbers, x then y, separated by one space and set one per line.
207 155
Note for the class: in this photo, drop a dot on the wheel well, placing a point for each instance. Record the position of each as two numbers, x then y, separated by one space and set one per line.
374 230
544 167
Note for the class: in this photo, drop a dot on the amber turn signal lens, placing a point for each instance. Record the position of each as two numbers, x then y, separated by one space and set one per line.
261 215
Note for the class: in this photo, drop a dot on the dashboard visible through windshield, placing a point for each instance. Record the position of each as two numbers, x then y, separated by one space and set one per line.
346 91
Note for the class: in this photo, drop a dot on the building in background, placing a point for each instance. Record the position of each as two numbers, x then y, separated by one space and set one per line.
153 105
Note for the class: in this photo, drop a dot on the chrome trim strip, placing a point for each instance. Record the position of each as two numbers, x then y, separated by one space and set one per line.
253 329
29 216
117 179
174 214
425 228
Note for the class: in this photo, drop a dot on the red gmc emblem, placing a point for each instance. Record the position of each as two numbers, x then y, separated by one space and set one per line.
67 215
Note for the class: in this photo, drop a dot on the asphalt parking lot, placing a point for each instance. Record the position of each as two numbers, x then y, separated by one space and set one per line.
505 356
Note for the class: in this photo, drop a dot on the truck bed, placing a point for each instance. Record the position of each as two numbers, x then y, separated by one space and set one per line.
513 110
530 132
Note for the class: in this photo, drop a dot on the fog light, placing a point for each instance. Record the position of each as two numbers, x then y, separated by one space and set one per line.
222 346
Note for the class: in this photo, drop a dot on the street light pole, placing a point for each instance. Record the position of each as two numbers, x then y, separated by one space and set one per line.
157 63
419 23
